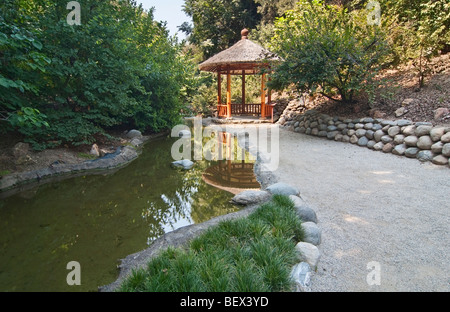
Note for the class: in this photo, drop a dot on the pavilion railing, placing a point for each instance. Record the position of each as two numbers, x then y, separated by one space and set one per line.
247 109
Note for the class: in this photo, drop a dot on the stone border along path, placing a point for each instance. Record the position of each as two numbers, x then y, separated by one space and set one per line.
400 137
308 253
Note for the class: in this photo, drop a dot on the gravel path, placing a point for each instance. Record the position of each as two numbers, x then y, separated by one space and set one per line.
372 206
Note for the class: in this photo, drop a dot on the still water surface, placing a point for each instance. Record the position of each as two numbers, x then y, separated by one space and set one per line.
98 219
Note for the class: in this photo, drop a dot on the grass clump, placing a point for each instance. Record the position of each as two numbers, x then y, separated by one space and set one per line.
253 254
86 156
4 172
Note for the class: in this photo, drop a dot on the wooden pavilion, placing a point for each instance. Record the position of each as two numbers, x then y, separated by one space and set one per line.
243 58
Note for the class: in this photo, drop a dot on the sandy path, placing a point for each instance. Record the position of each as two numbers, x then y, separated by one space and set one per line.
372 207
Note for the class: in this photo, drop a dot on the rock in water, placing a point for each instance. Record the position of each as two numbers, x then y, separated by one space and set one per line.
185 164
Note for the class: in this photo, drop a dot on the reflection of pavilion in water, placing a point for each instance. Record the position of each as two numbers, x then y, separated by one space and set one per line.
231 176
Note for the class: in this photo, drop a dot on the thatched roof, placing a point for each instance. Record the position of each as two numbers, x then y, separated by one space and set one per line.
244 55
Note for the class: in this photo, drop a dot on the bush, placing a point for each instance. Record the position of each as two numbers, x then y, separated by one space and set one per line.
327 49
254 254
67 83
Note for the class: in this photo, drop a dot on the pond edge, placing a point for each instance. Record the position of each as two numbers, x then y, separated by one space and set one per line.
110 163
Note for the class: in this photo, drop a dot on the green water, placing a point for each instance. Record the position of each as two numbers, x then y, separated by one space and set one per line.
98 219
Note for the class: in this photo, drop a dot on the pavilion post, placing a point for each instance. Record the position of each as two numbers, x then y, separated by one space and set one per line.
263 96
219 89
228 94
219 93
243 92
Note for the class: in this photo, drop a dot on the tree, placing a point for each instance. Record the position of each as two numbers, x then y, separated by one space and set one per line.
22 63
118 67
270 9
418 30
327 50
218 23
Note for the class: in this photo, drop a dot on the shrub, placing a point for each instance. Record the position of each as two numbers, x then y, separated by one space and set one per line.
327 49
254 254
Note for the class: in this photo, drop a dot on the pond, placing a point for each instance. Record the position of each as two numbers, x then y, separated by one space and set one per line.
97 220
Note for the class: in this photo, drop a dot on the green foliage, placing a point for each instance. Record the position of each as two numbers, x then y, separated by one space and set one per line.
21 63
63 84
218 23
417 30
251 254
327 50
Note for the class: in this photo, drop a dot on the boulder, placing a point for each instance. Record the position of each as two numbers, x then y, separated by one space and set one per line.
407 102
378 135
308 253
301 276
360 133
379 146
338 137
398 139
386 139
404 122
424 142
354 139
411 140
437 147
250 197
388 123
368 126
399 150
304 212
331 128
388 147
440 113
95 151
369 134
445 138
331 135
21 150
283 189
440 160
393 131
371 144
409 130
423 130
437 133
136 142
363 141
313 234
411 152
424 156
134 134
377 127
401 111
446 150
